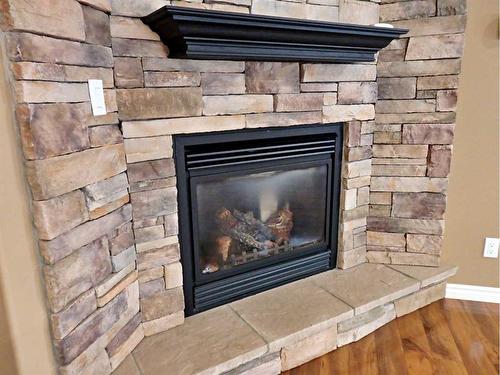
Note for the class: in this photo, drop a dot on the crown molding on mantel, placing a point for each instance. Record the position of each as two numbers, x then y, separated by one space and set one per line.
207 34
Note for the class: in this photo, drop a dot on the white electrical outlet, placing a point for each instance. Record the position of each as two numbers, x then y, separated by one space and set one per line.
491 247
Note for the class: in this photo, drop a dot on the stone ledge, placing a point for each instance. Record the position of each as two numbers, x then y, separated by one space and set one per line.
290 325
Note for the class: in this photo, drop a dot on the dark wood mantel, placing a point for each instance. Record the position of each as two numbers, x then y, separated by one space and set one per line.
206 34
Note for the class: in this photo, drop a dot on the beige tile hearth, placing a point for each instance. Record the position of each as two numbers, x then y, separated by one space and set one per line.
289 325
283 316
367 285
208 343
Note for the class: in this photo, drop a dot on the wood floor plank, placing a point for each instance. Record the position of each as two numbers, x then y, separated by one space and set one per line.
390 353
448 337
417 351
446 356
474 352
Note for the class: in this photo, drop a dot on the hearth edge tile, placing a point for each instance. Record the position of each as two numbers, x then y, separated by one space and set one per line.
278 343
412 287
427 275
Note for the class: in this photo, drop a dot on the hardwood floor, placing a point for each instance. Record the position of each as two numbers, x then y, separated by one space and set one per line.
448 337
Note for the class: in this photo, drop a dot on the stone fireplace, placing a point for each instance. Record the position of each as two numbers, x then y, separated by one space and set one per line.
108 191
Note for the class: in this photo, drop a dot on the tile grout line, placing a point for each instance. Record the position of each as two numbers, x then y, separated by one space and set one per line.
251 327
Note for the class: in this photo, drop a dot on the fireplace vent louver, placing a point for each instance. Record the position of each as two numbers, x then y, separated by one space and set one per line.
207 34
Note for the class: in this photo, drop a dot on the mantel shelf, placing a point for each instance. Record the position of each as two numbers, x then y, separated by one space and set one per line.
206 34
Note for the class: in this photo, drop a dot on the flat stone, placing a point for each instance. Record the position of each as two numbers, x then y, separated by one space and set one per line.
420 299
366 286
156 244
123 259
439 161
267 365
437 82
173 275
399 170
359 153
127 346
451 7
422 243
96 27
405 106
341 113
283 119
415 259
49 92
212 347
308 310
108 283
358 12
298 102
31 47
66 320
123 334
418 68
58 215
380 198
222 83
407 9
435 47
432 25
359 168
131 28
446 100
55 176
386 240
427 275
409 184
91 329
105 135
153 128
141 149
330 98
158 257
86 361
60 19
171 79
418 205
132 8
154 203
162 304
65 244
38 71
357 92
338 72
121 242
151 274
99 191
138 48
352 258
416 118
138 104
387 137
400 151
151 170
149 233
398 225
186 65
318 87
152 327
357 182
117 289
295 10
272 77
359 326
150 288
128 72
237 104
75 274
309 348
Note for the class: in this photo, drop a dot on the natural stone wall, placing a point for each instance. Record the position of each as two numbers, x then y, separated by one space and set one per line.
417 80
104 188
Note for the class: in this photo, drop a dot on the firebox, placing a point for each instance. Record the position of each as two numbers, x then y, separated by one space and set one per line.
257 209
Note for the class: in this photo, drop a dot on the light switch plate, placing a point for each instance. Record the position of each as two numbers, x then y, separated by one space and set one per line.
491 247
96 92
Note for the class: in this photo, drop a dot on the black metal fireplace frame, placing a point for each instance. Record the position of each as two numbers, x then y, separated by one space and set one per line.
203 292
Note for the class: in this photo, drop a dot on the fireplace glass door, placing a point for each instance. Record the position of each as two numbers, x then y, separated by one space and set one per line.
257 209
243 217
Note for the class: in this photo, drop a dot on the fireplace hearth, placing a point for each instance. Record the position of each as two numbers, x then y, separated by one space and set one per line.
257 209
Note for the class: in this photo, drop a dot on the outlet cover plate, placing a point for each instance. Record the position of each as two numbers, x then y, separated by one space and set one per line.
491 247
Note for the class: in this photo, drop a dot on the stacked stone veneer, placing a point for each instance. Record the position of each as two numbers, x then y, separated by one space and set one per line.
417 81
104 188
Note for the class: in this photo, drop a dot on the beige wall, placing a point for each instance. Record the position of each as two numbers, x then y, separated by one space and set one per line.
473 202
22 302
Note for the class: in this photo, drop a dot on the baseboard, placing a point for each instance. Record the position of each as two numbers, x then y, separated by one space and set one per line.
473 293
